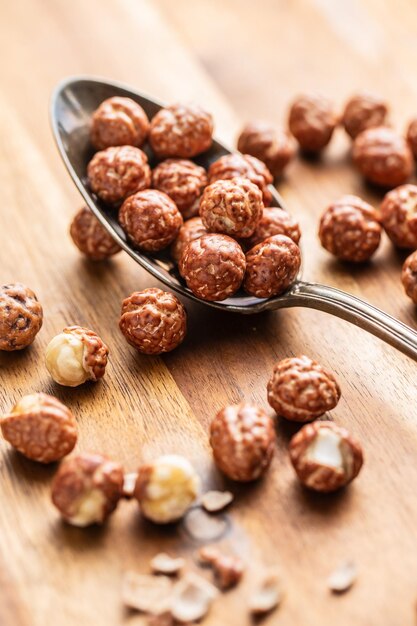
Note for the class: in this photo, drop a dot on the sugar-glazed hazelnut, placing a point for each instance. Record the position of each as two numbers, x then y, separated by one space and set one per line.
325 456
242 438
275 221
21 317
87 488
232 207
409 276
91 238
166 488
118 122
190 230
75 356
213 266
117 172
181 130
237 165
362 111
412 136
399 216
312 120
40 427
153 321
183 181
273 146
301 389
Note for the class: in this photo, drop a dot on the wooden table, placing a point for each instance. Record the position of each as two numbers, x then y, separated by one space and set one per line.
260 55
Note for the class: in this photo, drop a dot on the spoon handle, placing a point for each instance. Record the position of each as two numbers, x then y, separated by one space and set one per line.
356 311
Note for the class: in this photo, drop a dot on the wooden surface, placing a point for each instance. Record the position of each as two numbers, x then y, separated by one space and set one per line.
260 55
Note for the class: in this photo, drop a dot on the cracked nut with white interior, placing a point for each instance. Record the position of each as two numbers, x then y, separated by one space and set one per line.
91 238
399 216
271 266
273 146
40 427
228 569
75 356
150 219
118 122
87 488
232 207
275 221
409 276
237 165
213 266
382 156
117 172
362 111
325 456
350 229
312 120
301 389
242 438
166 488
21 317
153 321
181 130
412 136
190 230
183 181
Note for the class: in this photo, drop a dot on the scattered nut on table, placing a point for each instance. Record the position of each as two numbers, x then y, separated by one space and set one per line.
213 266
273 146
237 165
412 136
183 181
163 563
190 230
242 438
275 221
399 216
91 238
301 389
214 501
150 219
232 207
40 427
343 577
409 276
325 456
312 120
153 321
76 355
166 488
267 595
382 156
362 111
117 172
87 488
21 317
271 266
118 122
228 569
192 598
350 229
181 130
147 593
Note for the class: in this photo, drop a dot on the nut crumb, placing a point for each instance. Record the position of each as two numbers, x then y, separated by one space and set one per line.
267 595
228 569
192 597
204 527
129 482
147 593
214 501
343 577
163 563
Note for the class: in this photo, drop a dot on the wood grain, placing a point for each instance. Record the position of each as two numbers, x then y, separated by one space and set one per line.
259 56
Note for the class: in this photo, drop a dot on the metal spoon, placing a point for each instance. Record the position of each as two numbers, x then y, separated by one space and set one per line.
73 102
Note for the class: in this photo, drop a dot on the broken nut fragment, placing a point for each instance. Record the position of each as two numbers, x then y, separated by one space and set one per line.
267 596
228 569
147 593
214 501
342 578
163 563
192 597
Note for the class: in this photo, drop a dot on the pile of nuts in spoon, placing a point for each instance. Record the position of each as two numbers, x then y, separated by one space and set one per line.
223 237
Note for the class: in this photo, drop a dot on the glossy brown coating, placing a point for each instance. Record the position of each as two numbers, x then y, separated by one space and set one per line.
21 317
412 136
242 438
40 427
312 120
362 111
300 389
273 146
320 476
213 266
150 219
117 172
78 477
190 230
91 238
409 276
350 229
237 165
181 130
399 216
95 351
275 221
183 181
271 266
382 156
232 207
153 321
118 122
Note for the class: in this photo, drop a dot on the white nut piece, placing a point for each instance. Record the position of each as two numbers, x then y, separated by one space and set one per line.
163 563
267 595
147 593
192 598
166 488
343 577
214 500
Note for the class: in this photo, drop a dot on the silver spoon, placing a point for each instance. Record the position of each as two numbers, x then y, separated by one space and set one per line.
73 102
